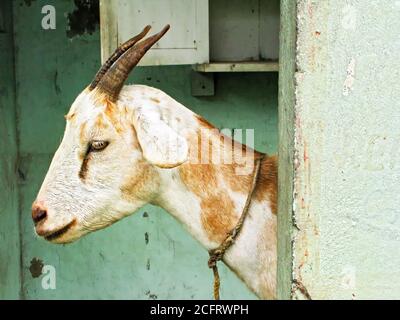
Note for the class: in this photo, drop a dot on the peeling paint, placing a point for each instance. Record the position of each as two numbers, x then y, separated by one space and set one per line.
148 264
349 82
151 296
84 19
36 267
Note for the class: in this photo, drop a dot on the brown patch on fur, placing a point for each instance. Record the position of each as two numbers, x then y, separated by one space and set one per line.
268 182
218 214
268 179
82 133
227 144
141 183
204 123
199 178
99 98
84 168
99 122
110 110
266 188
83 155
69 116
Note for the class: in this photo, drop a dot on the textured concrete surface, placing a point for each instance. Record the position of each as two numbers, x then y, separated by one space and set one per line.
345 215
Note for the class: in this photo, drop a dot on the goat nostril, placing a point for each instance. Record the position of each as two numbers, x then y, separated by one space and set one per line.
38 214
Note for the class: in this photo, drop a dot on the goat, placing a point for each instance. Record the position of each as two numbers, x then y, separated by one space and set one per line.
126 146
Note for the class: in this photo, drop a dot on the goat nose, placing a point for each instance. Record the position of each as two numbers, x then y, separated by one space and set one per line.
39 213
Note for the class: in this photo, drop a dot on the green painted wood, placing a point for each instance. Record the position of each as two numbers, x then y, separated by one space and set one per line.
10 281
187 44
287 69
202 84
147 255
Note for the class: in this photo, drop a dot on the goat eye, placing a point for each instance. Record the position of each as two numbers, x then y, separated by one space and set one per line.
98 145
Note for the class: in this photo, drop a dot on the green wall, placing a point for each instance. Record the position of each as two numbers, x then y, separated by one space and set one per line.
9 213
118 262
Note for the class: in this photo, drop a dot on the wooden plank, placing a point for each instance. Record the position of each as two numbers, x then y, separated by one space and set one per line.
269 29
286 147
185 43
269 66
108 28
234 30
202 84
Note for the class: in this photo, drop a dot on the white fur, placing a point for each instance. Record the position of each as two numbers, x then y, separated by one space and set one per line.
161 145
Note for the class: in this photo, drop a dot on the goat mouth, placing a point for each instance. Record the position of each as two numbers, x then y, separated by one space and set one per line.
59 232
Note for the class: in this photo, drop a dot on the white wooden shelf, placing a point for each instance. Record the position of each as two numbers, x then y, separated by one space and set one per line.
258 66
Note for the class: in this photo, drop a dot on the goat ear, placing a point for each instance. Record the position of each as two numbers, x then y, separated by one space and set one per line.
160 143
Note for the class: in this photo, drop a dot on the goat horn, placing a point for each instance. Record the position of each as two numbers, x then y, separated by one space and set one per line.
113 80
115 56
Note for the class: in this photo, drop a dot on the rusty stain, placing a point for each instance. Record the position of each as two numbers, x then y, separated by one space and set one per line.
36 267
305 153
314 50
316 232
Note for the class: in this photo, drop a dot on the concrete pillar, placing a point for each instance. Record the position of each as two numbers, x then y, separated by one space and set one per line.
339 203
